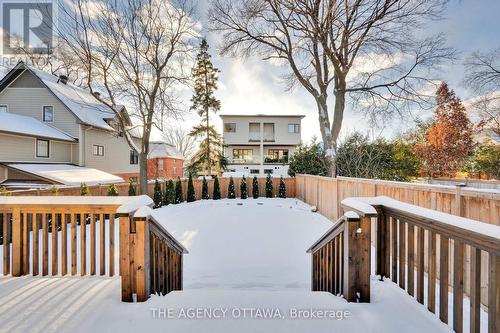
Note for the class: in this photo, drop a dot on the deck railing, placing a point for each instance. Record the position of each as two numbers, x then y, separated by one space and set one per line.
411 241
76 236
151 258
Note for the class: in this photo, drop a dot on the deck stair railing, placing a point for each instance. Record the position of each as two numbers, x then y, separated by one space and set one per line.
413 244
69 235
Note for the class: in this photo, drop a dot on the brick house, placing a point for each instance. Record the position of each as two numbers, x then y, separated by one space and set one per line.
164 161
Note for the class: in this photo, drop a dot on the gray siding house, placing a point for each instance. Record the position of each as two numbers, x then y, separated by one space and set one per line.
46 120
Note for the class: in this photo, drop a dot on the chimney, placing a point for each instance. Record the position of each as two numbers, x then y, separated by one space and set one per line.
97 94
63 79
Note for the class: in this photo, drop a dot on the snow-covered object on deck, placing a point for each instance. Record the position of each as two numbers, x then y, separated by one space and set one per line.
68 174
121 201
14 123
138 203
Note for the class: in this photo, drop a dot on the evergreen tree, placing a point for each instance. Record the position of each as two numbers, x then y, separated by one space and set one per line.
243 188
216 195
231 193
204 101
255 187
190 194
178 191
269 186
84 189
157 195
204 189
169 195
282 189
131 189
54 190
113 190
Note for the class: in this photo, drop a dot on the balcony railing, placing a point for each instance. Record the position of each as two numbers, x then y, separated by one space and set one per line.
276 160
253 160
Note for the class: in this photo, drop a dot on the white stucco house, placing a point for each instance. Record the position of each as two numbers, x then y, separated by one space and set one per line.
260 144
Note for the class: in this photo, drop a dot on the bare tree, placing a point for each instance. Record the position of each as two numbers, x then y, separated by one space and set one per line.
134 52
483 77
180 138
365 49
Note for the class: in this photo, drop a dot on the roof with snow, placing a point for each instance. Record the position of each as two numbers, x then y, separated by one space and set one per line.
67 174
17 124
79 101
260 115
160 149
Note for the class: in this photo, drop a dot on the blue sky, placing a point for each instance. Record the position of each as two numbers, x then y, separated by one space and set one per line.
253 85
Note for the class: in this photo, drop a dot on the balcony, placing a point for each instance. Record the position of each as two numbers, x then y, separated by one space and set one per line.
251 160
275 160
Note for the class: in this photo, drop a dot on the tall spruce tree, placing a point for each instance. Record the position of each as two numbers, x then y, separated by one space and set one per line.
190 194
157 195
255 187
178 191
216 195
204 189
231 193
84 189
113 190
269 186
209 156
282 188
243 188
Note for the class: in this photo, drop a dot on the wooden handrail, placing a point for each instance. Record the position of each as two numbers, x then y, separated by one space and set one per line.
401 250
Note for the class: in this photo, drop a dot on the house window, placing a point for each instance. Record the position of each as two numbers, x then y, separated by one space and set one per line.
254 171
277 156
230 127
268 171
134 157
160 164
293 128
97 150
3 108
268 132
48 114
254 132
242 155
42 148
133 179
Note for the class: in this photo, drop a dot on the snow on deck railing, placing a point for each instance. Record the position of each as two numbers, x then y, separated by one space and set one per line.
402 249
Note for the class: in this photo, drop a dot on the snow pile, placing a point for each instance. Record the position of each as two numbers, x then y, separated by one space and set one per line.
18 124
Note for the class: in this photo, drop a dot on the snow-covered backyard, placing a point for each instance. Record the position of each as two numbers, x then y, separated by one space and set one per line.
247 262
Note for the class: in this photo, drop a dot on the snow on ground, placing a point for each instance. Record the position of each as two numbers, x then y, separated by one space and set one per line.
244 259
259 244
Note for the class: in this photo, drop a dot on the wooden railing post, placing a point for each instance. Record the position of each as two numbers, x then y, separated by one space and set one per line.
357 257
126 276
141 261
17 243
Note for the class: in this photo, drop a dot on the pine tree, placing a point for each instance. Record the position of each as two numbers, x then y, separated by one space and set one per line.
113 190
178 191
190 194
255 187
131 189
169 195
243 187
157 195
204 101
231 193
84 189
216 195
204 189
282 188
269 186
54 190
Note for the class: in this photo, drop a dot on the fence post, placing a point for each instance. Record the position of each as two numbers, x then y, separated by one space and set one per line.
141 260
459 209
357 257
125 274
17 242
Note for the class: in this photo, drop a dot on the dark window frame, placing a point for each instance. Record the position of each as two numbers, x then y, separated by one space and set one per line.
44 110
99 152
48 148
134 157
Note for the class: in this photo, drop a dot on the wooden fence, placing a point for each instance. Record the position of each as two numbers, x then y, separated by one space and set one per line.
402 232
102 190
68 235
480 205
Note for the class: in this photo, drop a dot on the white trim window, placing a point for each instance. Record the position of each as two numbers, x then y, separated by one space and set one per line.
4 108
97 150
134 157
230 127
293 128
42 148
48 113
